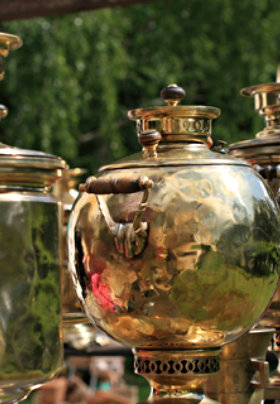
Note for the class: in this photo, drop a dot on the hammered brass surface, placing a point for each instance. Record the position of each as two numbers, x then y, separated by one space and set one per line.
212 250
210 262
30 327
264 151
176 155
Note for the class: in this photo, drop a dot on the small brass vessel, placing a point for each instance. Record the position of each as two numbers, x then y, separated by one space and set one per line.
168 246
30 264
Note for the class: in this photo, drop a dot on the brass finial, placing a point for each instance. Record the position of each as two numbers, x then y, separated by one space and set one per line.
173 94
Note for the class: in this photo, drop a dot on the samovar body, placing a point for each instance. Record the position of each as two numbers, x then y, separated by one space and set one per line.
169 246
203 234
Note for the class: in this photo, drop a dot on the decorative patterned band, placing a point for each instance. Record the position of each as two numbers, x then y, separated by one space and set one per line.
191 365
182 126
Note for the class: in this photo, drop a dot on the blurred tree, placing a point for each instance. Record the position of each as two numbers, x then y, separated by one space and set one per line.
69 88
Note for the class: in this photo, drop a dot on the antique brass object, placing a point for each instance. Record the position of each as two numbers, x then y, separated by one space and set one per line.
209 247
263 153
243 375
78 332
30 262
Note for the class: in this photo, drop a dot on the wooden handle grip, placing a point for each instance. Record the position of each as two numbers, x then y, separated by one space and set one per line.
102 186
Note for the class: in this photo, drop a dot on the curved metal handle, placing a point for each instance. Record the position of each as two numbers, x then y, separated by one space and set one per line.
263 368
130 238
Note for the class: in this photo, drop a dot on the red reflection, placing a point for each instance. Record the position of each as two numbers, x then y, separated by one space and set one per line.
94 268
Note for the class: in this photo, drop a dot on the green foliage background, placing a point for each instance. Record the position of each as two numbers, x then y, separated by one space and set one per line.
69 87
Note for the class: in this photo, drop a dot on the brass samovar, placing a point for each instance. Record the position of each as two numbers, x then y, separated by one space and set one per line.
175 251
263 152
30 263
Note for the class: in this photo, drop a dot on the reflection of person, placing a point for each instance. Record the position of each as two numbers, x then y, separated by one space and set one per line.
105 397
104 381
78 392
75 391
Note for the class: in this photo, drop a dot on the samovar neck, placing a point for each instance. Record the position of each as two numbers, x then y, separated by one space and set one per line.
267 103
176 123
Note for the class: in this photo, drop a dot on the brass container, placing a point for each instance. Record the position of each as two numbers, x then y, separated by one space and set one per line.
30 263
243 375
263 153
168 246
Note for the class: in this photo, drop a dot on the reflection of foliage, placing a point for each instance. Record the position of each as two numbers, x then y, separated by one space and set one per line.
255 249
31 278
218 291
260 258
78 74
242 272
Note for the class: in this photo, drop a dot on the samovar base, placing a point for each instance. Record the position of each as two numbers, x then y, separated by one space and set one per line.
176 376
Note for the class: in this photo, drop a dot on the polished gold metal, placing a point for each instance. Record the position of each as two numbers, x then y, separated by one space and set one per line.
176 375
212 247
78 332
176 123
130 238
30 263
263 153
8 42
244 372
65 191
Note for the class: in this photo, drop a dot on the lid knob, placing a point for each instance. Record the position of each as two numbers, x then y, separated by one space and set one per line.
173 94
149 140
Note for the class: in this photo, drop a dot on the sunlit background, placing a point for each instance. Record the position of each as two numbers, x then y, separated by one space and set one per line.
69 87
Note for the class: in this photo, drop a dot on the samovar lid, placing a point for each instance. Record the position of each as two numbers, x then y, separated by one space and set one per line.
265 148
16 157
182 123
174 135
28 168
